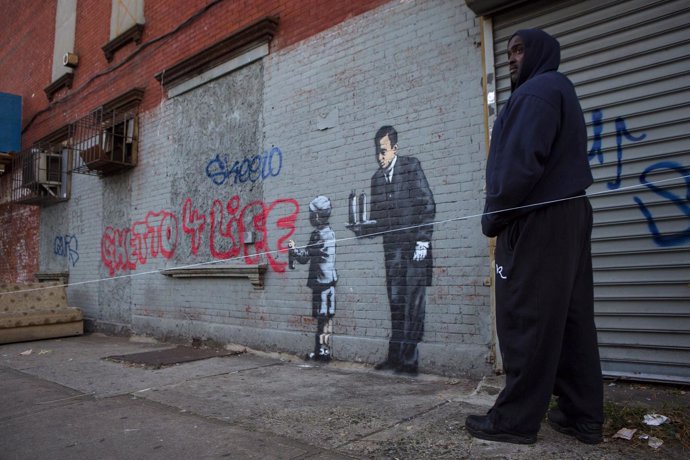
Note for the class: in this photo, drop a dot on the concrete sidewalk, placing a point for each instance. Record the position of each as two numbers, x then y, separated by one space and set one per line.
62 400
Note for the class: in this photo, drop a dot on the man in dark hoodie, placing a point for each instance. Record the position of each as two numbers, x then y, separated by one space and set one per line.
536 176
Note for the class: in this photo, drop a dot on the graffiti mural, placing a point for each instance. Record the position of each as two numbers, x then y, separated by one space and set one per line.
226 229
67 246
402 212
320 254
258 167
672 238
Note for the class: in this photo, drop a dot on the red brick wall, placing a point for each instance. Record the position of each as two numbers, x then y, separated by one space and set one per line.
27 30
18 243
26 48
96 80
26 52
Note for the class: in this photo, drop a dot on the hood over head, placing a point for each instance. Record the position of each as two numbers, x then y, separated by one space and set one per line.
542 54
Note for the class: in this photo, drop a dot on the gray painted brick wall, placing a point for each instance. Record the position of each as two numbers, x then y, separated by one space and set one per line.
418 68
414 65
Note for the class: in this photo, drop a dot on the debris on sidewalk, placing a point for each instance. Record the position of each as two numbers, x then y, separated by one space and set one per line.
654 419
27 352
655 443
625 433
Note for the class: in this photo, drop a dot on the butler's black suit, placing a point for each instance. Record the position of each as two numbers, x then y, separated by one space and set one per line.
404 206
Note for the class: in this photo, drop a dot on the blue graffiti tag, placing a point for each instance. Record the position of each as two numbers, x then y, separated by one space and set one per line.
67 246
598 129
662 239
621 133
262 166
676 238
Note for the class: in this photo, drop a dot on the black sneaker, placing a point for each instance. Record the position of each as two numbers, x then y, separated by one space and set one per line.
589 433
480 426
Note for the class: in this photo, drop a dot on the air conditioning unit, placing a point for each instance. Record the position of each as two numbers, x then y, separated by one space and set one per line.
41 168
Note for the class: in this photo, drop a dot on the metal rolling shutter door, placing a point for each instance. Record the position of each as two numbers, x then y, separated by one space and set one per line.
630 62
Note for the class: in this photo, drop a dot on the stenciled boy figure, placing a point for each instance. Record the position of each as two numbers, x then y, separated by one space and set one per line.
320 253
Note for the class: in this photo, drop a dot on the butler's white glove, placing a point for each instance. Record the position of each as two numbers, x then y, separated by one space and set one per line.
420 250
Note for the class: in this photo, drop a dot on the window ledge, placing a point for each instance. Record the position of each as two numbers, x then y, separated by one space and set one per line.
61 277
64 81
255 273
125 101
254 35
489 7
133 34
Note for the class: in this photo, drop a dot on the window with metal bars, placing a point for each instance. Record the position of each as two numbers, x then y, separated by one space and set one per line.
105 142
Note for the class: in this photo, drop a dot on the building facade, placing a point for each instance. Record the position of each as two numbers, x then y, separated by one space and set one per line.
170 151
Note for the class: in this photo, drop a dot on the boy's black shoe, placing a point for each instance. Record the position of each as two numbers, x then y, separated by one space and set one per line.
480 426
589 433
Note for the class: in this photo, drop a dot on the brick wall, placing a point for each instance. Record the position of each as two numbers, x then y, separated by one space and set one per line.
337 71
415 66
18 243
26 50
174 30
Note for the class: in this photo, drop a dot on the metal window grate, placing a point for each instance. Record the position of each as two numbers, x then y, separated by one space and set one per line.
38 174
104 142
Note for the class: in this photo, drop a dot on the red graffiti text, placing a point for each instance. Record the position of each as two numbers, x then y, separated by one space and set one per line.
229 230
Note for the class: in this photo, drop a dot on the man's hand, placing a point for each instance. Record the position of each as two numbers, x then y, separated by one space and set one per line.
420 250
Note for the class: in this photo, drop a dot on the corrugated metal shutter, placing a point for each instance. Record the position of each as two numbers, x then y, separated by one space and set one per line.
630 62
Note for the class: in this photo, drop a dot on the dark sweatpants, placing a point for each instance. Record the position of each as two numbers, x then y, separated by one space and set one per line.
545 318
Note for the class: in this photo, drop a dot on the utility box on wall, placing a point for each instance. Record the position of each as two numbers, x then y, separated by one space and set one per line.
10 122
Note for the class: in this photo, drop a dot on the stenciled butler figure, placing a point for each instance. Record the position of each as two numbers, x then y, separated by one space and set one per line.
320 253
402 212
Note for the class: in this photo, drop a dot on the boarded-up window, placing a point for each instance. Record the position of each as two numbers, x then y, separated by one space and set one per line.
125 14
65 24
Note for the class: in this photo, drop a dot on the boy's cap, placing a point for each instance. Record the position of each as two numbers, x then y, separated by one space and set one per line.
320 203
